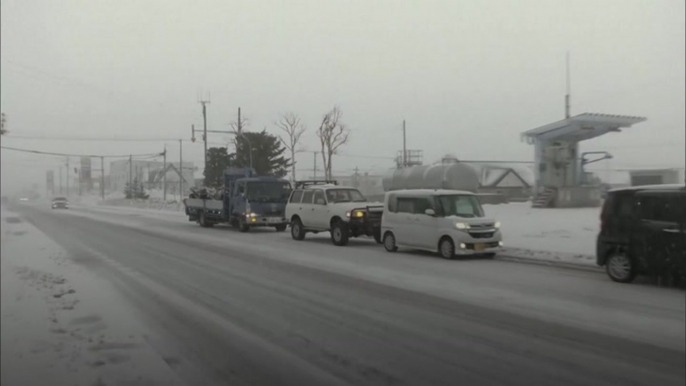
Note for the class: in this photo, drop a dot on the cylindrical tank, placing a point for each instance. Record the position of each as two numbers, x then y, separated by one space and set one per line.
453 176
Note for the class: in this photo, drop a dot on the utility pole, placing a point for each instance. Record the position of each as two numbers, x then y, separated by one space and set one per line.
61 189
239 131
102 177
131 176
79 179
68 174
568 96
164 171
404 145
204 119
180 170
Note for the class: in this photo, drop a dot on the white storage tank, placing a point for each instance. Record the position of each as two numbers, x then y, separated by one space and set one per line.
453 176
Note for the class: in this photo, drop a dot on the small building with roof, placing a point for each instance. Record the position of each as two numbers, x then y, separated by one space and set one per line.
559 176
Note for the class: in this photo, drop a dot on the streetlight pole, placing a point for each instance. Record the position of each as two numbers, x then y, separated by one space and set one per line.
180 170
249 147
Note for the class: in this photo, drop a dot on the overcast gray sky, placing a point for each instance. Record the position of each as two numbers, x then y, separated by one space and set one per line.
468 76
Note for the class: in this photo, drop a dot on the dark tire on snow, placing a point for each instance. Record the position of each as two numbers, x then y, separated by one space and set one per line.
389 242
297 230
377 237
620 268
204 222
243 226
339 234
446 248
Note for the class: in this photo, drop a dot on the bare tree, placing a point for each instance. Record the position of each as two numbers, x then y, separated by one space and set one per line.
294 128
332 135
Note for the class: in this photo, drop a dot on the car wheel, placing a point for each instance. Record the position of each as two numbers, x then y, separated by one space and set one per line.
203 221
243 226
447 249
377 237
389 242
280 228
297 231
620 268
339 234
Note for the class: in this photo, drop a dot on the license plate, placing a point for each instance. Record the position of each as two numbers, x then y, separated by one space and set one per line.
479 247
273 220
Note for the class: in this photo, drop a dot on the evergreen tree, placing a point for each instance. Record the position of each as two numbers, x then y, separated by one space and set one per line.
218 159
267 153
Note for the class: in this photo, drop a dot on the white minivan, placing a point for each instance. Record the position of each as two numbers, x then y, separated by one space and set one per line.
449 222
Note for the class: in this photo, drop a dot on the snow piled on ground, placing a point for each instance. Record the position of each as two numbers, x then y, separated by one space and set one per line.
557 235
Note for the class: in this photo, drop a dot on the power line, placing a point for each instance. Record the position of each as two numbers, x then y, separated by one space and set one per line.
364 156
112 139
103 139
80 155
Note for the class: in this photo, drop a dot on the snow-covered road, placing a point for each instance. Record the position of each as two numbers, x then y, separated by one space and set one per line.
216 306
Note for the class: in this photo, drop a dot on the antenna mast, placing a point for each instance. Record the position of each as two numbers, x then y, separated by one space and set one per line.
569 91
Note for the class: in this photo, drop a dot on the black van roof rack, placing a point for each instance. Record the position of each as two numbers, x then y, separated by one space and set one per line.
306 183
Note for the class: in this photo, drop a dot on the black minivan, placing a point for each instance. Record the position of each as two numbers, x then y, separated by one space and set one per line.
643 231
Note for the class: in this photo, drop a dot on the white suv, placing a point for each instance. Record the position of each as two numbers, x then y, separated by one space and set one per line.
449 222
323 206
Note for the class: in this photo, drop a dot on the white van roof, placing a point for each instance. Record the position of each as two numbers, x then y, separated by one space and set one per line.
428 192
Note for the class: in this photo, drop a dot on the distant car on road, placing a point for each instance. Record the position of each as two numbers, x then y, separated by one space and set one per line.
643 231
24 199
449 222
60 203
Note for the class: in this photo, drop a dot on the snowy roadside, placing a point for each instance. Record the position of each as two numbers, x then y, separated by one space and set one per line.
62 323
550 236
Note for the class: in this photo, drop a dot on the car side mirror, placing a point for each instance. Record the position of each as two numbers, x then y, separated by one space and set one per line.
430 212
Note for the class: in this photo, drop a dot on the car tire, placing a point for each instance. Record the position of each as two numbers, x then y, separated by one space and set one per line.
339 234
446 248
297 230
389 242
203 221
280 228
243 226
377 237
620 268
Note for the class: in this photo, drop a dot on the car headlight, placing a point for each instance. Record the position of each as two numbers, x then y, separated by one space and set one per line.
462 225
357 213
347 214
497 225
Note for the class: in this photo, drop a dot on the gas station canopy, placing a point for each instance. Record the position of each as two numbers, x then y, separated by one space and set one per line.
580 127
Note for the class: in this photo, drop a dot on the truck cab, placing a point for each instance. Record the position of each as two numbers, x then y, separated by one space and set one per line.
258 201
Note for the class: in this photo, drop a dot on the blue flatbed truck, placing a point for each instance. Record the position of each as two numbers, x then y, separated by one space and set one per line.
248 201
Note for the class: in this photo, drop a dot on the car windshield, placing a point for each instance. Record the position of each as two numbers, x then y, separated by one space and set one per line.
461 206
58 199
344 195
268 191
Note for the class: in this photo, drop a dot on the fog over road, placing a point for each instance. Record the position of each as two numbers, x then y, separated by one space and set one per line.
260 308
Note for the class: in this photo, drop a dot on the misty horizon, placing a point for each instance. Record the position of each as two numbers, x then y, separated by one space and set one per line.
461 76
